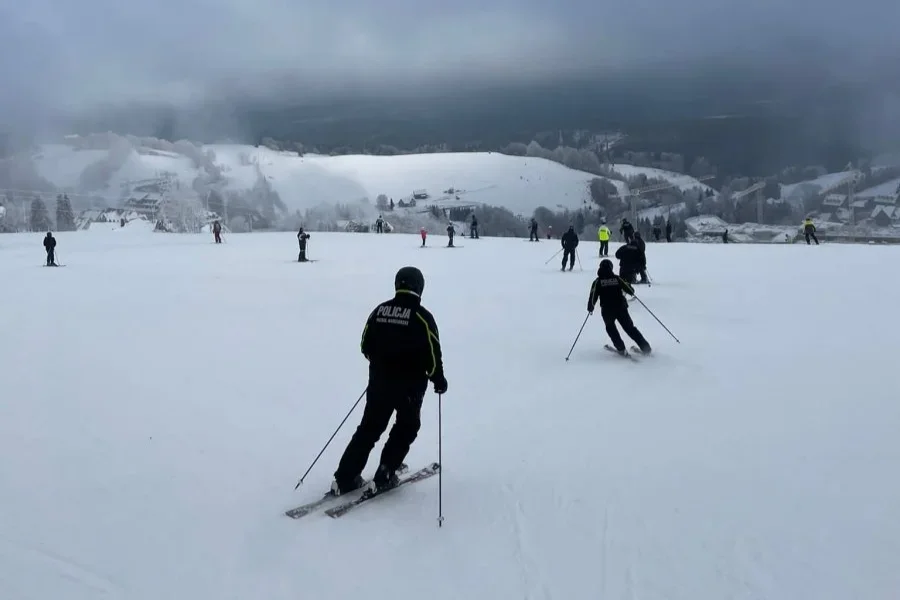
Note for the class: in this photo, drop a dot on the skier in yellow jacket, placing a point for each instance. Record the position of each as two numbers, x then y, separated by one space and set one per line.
603 235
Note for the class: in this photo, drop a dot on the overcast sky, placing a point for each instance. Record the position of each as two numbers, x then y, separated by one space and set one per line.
68 53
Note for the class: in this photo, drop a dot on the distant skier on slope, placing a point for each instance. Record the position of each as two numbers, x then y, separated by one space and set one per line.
217 232
451 231
424 235
302 237
533 235
809 231
473 228
641 246
400 341
627 230
50 247
603 234
668 231
629 262
569 243
379 225
609 292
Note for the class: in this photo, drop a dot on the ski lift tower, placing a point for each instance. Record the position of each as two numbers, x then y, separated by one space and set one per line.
760 200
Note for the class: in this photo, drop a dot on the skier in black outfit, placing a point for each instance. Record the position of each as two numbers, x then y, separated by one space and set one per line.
607 291
50 247
473 228
627 230
569 242
401 342
641 246
629 262
668 231
302 236
533 237
451 231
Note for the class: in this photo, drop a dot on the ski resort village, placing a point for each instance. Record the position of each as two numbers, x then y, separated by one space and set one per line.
104 181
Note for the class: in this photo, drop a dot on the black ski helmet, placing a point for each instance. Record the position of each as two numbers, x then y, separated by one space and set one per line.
409 279
606 266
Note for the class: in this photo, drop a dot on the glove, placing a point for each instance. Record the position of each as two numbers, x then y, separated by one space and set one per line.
590 309
440 384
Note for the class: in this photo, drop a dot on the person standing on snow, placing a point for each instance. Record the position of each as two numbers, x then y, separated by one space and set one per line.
809 231
50 247
451 231
603 235
629 262
533 235
424 234
473 228
641 246
217 231
569 243
400 341
302 237
379 225
627 230
609 291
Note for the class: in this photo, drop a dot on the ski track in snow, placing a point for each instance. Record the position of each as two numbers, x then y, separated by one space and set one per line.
191 384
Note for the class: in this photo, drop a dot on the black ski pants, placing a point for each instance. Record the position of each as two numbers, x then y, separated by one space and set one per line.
611 316
533 236
51 257
568 255
382 400
604 247
813 236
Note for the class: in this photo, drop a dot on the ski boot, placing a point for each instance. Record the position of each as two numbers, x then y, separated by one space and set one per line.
338 490
386 479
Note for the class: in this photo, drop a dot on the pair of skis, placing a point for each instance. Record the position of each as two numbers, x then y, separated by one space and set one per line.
368 494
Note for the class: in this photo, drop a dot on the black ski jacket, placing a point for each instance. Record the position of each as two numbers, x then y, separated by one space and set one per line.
401 342
609 291
629 259
49 243
569 240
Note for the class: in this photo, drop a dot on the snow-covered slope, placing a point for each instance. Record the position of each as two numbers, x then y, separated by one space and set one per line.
683 182
521 184
161 395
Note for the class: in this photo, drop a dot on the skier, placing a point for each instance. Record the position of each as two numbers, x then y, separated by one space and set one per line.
549 231
302 236
400 341
569 243
629 261
379 225
809 231
725 237
451 231
50 247
424 234
641 246
657 233
533 236
217 231
627 230
668 231
607 290
603 235
473 229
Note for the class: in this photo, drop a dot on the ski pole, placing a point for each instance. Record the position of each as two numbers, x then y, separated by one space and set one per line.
578 256
554 256
577 336
322 451
441 470
657 319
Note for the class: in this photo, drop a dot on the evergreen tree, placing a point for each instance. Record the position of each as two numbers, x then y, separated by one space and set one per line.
65 216
40 217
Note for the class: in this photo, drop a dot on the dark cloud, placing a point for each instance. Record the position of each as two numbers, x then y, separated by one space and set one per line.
61 54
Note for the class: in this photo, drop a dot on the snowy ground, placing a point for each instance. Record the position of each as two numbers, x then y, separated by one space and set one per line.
161 396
